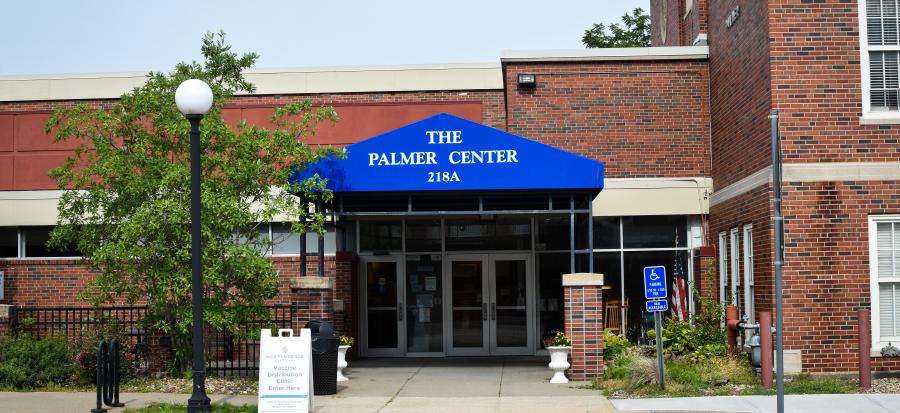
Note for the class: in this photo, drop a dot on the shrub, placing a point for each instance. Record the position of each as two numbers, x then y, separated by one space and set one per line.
26 362
633 369
613 345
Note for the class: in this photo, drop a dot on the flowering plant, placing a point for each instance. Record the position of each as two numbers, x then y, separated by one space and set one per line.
346 341
557 339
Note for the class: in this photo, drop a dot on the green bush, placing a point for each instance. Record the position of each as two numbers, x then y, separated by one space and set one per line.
613 345
26 363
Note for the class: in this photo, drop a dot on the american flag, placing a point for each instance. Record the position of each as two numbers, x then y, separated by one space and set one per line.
679 295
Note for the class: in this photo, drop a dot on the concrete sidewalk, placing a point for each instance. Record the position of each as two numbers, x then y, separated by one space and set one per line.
808 403
470 385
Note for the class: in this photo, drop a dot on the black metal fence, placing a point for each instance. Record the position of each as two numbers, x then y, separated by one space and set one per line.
227 354
237 354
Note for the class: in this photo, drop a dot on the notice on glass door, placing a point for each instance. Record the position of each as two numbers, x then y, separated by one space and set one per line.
431 283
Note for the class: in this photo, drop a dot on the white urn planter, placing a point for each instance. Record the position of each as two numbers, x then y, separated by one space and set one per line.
342 362
559 362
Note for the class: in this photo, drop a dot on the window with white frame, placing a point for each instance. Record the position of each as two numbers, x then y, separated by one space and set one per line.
879 27
749 292
723 266
884 267
735 280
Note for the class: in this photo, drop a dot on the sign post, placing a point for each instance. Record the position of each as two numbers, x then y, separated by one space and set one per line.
655 292
285 372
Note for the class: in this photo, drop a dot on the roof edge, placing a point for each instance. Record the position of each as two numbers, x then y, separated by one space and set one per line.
611 54
269 81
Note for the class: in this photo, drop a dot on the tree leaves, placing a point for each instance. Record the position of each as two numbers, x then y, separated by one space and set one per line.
635 34
129 210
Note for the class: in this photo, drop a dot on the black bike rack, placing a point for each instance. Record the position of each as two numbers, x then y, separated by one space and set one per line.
108 363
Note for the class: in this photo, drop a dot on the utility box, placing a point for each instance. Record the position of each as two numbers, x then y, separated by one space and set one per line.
2 280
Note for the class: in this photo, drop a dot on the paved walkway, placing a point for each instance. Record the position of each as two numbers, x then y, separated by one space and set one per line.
469 385
818 403
473 385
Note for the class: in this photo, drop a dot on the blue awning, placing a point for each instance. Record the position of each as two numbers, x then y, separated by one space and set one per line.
448 153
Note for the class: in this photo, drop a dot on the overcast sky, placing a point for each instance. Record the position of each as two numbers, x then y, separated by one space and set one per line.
80 36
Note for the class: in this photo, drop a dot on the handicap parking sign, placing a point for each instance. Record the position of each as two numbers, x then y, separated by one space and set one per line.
655 282
657 305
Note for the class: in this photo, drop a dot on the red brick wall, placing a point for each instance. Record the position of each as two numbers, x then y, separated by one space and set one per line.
739 91
26 153
826 274
666 13
682 26
641 119
816 85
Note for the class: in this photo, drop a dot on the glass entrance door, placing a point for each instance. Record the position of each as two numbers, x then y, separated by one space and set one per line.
383 296
488 304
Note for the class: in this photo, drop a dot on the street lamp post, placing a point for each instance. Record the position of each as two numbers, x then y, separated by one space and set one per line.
194 98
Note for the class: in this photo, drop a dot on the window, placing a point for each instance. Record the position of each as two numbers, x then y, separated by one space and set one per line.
723 267
879 27
884 267
35 242
749 292
9 242
735 272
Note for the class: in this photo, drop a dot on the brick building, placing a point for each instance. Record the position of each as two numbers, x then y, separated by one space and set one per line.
682 132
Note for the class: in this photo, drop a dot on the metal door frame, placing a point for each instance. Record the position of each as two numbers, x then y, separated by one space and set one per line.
528 349
364 349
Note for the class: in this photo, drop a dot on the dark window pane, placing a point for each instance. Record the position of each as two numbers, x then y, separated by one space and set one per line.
551 267
380 236
515 202
36 244
654 231
499 233
423 235
581 231
562 202
9 242
373 203
552 232
456 202
606 233
609 264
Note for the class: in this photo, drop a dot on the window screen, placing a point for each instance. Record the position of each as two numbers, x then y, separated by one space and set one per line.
888 272
883 29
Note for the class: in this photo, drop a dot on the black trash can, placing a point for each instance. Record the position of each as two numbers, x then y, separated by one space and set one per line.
324 357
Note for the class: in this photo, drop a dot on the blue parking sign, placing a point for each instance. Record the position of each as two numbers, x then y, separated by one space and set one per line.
657 305
655 282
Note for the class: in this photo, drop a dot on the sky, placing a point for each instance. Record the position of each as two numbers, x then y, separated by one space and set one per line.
84 36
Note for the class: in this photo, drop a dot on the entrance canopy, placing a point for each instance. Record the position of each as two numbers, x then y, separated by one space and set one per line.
449 153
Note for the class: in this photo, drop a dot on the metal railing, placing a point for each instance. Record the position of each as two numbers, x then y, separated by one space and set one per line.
227 354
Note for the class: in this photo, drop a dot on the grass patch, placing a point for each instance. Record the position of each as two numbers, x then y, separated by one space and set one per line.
179 408
631 374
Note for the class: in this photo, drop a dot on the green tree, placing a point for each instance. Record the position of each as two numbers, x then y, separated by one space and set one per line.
130 217
635 34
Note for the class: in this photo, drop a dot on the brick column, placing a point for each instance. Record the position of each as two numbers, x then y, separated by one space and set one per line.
584 324
312 298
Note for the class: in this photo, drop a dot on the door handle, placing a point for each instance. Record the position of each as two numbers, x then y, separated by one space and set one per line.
484 311
493 311
400 311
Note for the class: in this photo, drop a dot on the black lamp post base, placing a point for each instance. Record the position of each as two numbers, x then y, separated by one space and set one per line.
198 405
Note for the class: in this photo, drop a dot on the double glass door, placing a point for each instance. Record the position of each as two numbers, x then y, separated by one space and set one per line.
489 312
469 304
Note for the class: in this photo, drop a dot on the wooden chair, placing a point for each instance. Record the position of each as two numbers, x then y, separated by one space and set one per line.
612 317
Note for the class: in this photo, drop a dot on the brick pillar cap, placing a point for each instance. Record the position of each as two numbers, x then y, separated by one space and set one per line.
581 279
312 283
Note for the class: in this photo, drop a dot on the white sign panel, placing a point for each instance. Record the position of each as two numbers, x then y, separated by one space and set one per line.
285 372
